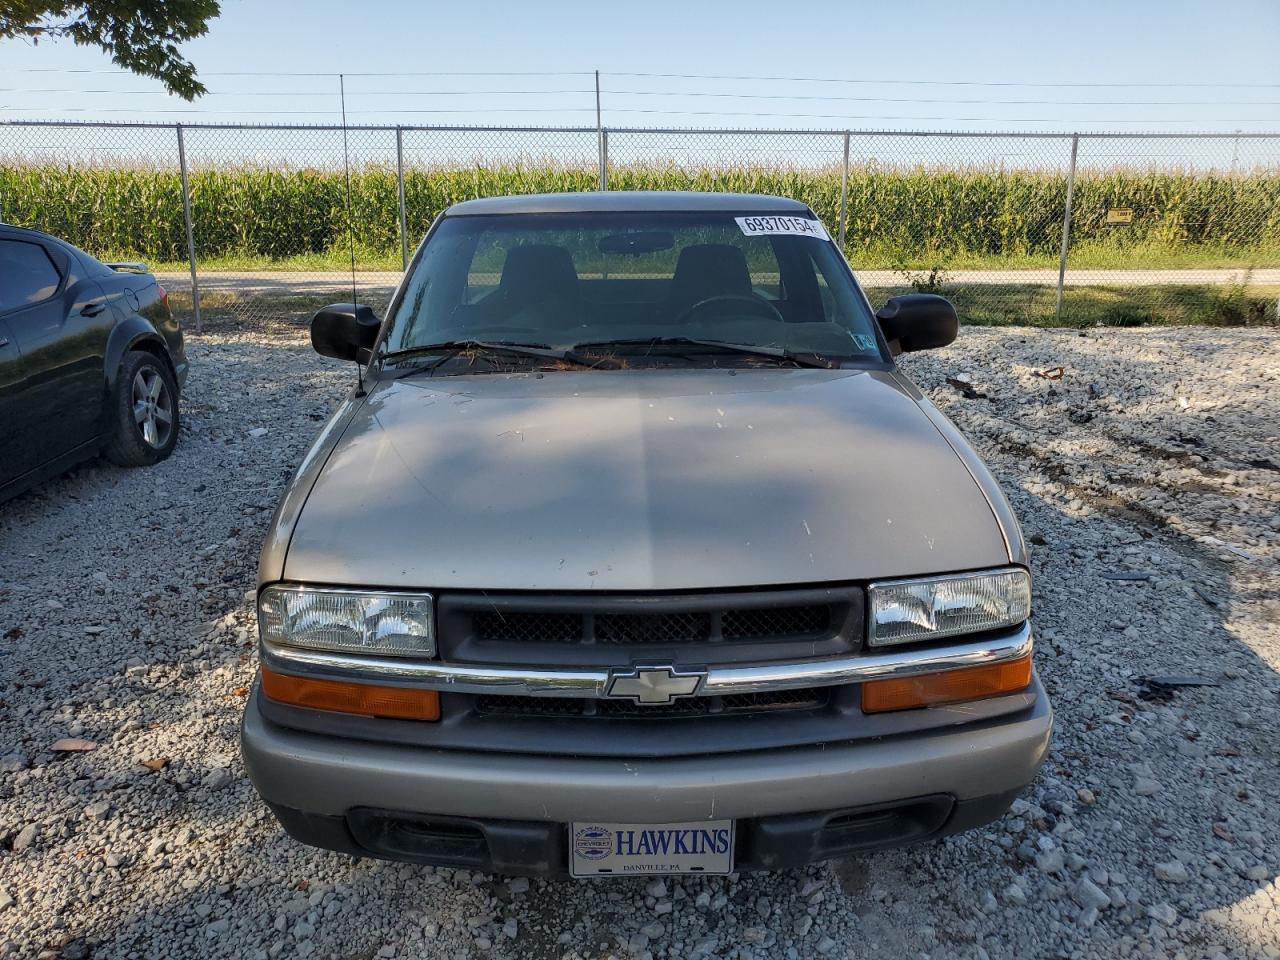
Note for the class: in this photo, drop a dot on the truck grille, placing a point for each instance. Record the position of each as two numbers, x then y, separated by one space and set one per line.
763 623
745 703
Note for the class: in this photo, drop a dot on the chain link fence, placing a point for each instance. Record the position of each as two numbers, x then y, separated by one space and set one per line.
249 223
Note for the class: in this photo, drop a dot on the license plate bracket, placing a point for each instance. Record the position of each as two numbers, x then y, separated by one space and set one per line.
638 849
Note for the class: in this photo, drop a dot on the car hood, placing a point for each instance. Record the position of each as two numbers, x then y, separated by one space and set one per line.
641 480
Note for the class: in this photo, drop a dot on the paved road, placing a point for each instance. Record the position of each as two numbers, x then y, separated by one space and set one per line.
282 284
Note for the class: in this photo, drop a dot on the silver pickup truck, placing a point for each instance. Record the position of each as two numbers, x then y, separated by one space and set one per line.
633 551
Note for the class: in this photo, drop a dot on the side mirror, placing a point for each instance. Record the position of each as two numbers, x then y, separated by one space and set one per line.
345 331
918 321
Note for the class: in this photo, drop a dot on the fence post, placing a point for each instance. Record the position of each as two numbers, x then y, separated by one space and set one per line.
191 236
1066 225
602 141
844 190
404 232
604 159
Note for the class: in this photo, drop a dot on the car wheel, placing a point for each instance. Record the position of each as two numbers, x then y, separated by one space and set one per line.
144 412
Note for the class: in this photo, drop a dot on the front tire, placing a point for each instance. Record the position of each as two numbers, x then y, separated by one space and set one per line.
144 412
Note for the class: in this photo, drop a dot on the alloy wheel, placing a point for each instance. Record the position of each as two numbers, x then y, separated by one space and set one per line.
152 407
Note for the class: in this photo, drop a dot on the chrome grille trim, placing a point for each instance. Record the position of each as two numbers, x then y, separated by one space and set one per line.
721 681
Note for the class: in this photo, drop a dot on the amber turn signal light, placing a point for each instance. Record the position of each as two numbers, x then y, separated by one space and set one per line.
949 686
400 703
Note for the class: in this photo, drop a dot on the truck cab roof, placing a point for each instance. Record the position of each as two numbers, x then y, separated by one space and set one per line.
627 201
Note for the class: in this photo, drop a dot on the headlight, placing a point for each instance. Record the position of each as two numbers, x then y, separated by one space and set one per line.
394 624
905 611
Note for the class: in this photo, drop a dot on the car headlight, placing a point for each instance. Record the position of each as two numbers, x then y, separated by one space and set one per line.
341 621
906 611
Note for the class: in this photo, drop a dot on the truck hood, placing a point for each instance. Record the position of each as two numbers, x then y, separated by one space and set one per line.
629 480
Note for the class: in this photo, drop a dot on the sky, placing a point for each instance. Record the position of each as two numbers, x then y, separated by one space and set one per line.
1125 65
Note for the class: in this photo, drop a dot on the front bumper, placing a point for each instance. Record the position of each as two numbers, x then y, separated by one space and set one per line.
318 785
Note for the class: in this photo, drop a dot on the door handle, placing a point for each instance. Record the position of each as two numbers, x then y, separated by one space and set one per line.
92 309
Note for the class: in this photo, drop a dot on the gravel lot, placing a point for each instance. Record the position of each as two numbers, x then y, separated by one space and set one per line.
1147 477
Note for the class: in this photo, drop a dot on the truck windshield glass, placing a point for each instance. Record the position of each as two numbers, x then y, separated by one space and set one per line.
626 282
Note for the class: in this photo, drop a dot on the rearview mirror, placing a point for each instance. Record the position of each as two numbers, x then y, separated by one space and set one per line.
345 331
638 242
918 321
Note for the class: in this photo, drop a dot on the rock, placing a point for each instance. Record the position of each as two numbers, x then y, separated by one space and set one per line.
802 926
1015 894
258 432
1085 796
216 778
656 888
653 930
73 745
825 945
114 860
1089 894
98 810
1257 872
6 900
13 762
518 885
705 945
217 928
702 900
1163 913
26 837
1172 872
1087 917
1050 861
510 929
754 935
1146 787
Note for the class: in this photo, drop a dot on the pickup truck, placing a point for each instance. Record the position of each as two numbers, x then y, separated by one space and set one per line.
632 550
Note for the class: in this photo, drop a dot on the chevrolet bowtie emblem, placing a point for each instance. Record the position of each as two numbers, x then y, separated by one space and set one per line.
654 684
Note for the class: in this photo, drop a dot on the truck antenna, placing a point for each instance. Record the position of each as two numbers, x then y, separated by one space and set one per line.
351 227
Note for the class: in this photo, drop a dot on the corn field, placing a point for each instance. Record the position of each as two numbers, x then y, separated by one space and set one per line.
915 218
1163 228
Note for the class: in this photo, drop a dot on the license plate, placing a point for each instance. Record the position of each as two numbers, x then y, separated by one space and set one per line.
621 849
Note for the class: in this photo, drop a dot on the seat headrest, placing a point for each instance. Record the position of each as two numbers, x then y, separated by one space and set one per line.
710 270
538 272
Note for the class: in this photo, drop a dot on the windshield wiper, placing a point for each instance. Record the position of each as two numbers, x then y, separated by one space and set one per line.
802 359
451 348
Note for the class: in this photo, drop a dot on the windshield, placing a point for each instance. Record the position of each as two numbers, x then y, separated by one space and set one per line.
636 283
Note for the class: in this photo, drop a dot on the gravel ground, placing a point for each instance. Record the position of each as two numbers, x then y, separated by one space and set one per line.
1146 478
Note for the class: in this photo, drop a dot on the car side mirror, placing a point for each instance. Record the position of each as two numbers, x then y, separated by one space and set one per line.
345 331
918 321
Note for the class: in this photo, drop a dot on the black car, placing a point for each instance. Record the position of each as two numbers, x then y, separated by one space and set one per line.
91 361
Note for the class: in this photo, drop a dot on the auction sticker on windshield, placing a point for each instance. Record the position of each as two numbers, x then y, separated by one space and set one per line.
615 849
786 226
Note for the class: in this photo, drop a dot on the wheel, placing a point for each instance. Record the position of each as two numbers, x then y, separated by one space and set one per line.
144 412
